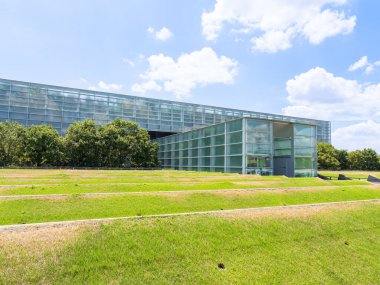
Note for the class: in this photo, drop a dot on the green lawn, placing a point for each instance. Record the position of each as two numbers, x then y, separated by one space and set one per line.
16 211
350 173
336 246
91 181
310 245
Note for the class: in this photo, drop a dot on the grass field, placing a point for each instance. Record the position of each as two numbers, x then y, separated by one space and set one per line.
351 173
326 244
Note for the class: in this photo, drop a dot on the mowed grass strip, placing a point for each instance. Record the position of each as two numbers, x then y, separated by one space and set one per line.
351 173
185 185
335 246
161 178
20 211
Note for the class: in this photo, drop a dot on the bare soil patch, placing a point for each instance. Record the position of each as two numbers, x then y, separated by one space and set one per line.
256 183
241 192
34 238
7 187
31 249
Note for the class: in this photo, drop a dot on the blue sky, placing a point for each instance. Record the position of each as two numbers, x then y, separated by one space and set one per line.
278 56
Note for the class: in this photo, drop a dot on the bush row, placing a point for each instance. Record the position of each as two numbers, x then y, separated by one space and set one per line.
119 143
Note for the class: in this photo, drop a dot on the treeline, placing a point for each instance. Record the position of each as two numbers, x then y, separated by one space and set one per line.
117 144
331 158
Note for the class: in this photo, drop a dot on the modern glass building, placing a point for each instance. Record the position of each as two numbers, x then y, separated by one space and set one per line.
33 104
194 137
245 145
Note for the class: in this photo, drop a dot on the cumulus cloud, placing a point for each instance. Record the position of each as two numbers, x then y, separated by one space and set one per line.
322 95
275 23
162 35
363 63
358 136
189 71
102 86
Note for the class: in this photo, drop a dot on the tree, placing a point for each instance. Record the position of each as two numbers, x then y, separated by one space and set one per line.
146 151
42 145
366 159
327 156
118 139
342 156
118 144
124 144
371 159
11 138
82 144
356 160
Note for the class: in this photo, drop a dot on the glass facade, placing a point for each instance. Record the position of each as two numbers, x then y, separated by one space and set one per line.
259 147
216 148
305 151
34 104
244 145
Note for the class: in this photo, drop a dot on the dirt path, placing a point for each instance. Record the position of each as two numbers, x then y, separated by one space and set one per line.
37 226
275 189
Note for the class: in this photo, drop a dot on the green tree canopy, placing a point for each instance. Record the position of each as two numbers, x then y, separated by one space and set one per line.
82 144
145 154
119 143
124 144
327 156
42 145
342 156
12 136
366 159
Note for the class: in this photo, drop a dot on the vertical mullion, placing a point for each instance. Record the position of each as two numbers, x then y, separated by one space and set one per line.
244 158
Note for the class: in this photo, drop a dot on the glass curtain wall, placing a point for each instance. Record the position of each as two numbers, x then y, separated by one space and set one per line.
216 148
259 150
240 146
35 104
305 152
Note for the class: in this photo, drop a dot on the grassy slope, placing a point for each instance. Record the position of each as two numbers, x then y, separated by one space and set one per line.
350 173
186 250
188 183
77 207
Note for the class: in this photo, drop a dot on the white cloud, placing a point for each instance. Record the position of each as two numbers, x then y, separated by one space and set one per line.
162 35
102 86
146 86
273 41
328 24
358 136
84 80
128 61
363 63
275 23
190 70
322 95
